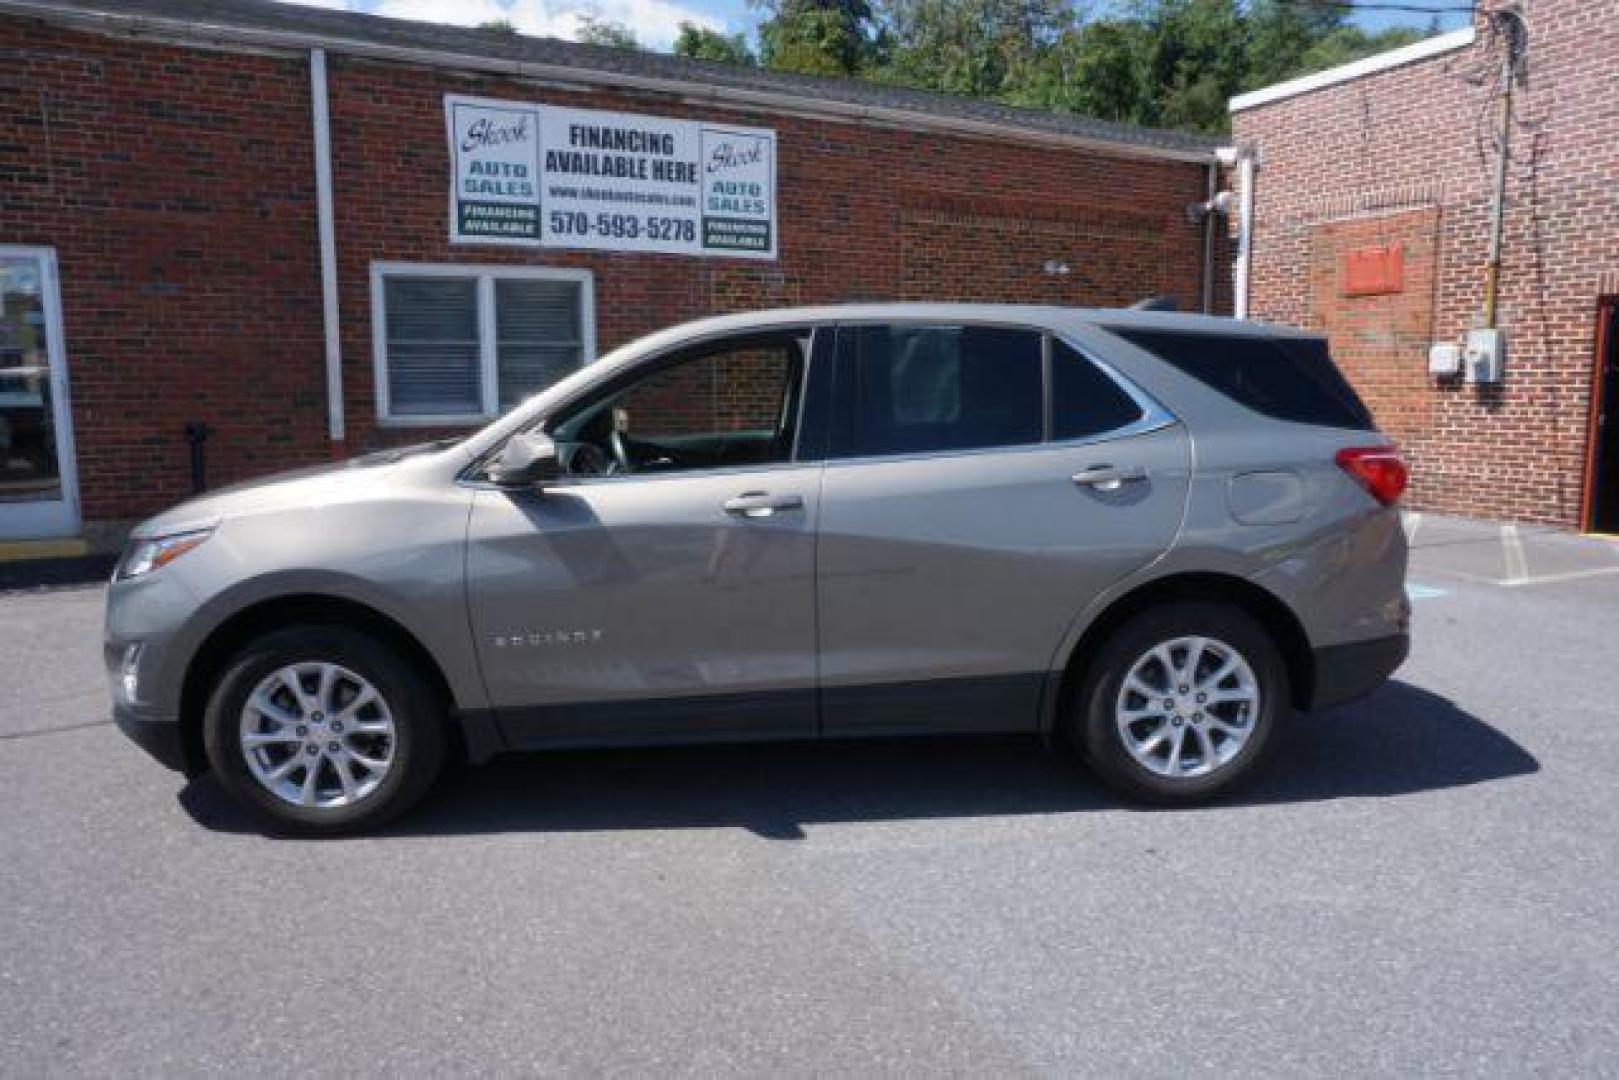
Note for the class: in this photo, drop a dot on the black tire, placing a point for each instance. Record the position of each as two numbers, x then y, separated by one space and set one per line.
417 710
1094 728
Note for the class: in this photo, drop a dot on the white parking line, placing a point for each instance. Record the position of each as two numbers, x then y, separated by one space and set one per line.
1412 522
1517 561
1570 575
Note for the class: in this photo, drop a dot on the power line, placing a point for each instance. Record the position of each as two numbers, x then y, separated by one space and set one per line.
1382 5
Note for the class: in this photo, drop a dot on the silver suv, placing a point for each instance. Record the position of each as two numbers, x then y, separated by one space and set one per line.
1151 535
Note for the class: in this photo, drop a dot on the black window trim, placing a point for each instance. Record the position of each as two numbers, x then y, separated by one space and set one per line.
1048 394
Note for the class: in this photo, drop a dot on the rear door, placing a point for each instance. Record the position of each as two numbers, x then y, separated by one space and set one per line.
983 484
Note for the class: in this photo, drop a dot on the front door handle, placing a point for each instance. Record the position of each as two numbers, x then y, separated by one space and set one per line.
1108 477
762 504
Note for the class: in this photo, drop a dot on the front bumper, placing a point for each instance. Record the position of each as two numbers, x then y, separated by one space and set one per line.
1346 672
159 736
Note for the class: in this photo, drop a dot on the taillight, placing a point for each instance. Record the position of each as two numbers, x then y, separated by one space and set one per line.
1379 469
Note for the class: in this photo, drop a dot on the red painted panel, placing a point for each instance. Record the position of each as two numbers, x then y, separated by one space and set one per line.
1374 271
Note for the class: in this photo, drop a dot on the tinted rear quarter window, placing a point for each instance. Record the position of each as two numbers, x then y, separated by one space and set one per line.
919 389
1085 401
1284 378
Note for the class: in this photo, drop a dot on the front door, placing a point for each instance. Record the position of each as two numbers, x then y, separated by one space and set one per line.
1604 513
965 523
38 497
666 589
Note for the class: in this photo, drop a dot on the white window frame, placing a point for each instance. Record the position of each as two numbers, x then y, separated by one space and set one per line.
49 518
486 275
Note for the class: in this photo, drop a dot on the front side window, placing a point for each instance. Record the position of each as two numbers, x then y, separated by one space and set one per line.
461 345
721 405
922 389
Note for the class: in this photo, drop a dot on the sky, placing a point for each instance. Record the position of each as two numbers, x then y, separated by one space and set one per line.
655 22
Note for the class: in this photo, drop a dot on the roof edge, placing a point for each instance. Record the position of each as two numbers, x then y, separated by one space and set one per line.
1370 65
226 35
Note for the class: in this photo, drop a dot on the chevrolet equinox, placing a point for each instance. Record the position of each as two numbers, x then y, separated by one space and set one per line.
1149 535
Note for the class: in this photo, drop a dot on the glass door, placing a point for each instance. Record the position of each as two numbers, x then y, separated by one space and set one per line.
38 496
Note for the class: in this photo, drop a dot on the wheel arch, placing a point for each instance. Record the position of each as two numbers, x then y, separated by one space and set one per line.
275 613
1256 601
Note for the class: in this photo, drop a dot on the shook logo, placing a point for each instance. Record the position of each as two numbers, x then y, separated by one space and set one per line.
733 154
485 133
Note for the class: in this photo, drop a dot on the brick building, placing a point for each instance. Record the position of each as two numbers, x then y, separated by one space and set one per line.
1372 220
170 254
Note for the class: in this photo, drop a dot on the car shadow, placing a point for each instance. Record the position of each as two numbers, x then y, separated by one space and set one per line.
1400 740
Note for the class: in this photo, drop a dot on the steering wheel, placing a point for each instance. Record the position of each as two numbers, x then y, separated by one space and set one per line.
621 452
588 459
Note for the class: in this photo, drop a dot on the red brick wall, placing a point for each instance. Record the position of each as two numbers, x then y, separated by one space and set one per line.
1376 335
177 186
1376 159
865 214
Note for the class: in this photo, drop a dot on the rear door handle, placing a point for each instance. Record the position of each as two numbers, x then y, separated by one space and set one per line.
762 504
1108 477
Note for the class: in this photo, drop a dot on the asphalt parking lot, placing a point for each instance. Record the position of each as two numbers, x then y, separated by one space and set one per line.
1427 882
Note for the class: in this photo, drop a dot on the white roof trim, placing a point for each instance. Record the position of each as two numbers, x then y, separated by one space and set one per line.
1419 50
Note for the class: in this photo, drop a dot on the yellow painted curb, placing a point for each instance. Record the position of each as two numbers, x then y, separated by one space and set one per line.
23 550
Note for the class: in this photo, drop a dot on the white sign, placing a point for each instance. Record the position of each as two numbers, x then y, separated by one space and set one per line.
604 181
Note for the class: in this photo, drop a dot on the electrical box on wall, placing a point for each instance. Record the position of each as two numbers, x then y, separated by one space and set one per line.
1444 359
1484 356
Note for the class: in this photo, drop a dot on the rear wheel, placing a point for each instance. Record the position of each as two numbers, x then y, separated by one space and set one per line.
1181 703
322 729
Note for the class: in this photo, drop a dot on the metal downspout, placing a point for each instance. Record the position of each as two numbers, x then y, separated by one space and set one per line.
328 250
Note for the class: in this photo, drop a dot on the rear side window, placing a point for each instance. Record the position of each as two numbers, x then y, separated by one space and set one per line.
1285 378
1084 400
918 389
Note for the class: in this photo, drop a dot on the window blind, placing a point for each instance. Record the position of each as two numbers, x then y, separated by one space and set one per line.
538 336
432 332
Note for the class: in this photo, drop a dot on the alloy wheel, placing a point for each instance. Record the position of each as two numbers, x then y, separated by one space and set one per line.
317 735
1187 707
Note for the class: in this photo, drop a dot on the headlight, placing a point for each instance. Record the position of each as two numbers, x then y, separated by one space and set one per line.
144 556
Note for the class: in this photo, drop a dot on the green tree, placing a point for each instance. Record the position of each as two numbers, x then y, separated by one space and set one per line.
1197 60
499 26
701 43
815 37
982 48
597 31
1164 63
1281 32
1351 43
1098 69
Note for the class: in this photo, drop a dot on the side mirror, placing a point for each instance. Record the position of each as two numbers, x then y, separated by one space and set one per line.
528 460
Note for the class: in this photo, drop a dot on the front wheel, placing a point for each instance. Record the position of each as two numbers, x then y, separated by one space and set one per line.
1181 703
322 729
